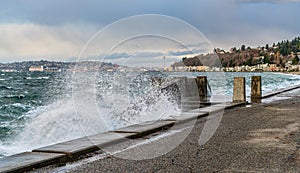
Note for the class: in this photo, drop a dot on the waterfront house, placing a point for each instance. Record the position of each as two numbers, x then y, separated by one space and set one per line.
52 69
36 68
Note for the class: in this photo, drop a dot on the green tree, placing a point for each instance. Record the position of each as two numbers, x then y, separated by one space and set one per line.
249 61
281 62
272 59
295 60
215 50
243 47
267 59
231 63
234 49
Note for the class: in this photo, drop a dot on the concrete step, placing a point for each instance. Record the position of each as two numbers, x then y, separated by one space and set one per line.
28 161
147 127
85 145
188 116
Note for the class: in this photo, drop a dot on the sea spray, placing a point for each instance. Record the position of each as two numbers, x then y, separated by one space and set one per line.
123 99
48 114
98 105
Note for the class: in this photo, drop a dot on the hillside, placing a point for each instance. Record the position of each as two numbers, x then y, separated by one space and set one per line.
278 54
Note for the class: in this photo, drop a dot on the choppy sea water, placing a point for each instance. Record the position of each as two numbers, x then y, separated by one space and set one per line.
222 83
37 109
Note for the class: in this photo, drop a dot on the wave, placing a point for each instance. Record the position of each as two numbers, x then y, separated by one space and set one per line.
21 96
45 125
69 118
5 87
35 78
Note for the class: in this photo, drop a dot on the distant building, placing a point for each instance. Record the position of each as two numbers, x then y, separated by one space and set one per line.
273 67
9 70
36 68
265 67
52 69
202 68
170 68
294 68
180 68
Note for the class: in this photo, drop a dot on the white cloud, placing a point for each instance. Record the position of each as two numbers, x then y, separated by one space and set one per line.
33 41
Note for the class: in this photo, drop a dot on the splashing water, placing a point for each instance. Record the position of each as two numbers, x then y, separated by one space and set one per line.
49 111
120 98
134 100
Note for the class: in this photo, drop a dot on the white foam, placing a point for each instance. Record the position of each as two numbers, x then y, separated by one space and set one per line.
61 121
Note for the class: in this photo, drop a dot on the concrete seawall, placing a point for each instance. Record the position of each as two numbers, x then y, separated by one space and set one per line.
71 150
257 138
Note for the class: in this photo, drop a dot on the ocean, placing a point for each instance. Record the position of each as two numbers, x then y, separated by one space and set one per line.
39 109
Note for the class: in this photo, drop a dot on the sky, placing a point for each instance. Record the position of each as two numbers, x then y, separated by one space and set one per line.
60 29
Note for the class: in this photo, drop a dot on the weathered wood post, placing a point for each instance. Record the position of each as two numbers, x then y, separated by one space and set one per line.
256 88
202 83
239 89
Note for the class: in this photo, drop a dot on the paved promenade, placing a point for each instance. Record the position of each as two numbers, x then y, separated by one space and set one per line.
262 138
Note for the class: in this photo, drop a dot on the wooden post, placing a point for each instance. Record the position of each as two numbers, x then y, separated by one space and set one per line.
202 83
256 88
239 89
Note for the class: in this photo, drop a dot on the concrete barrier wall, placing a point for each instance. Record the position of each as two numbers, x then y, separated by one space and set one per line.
70 150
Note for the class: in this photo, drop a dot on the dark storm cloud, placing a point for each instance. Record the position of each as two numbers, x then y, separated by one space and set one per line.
136 54
188 52
117 55
180 53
